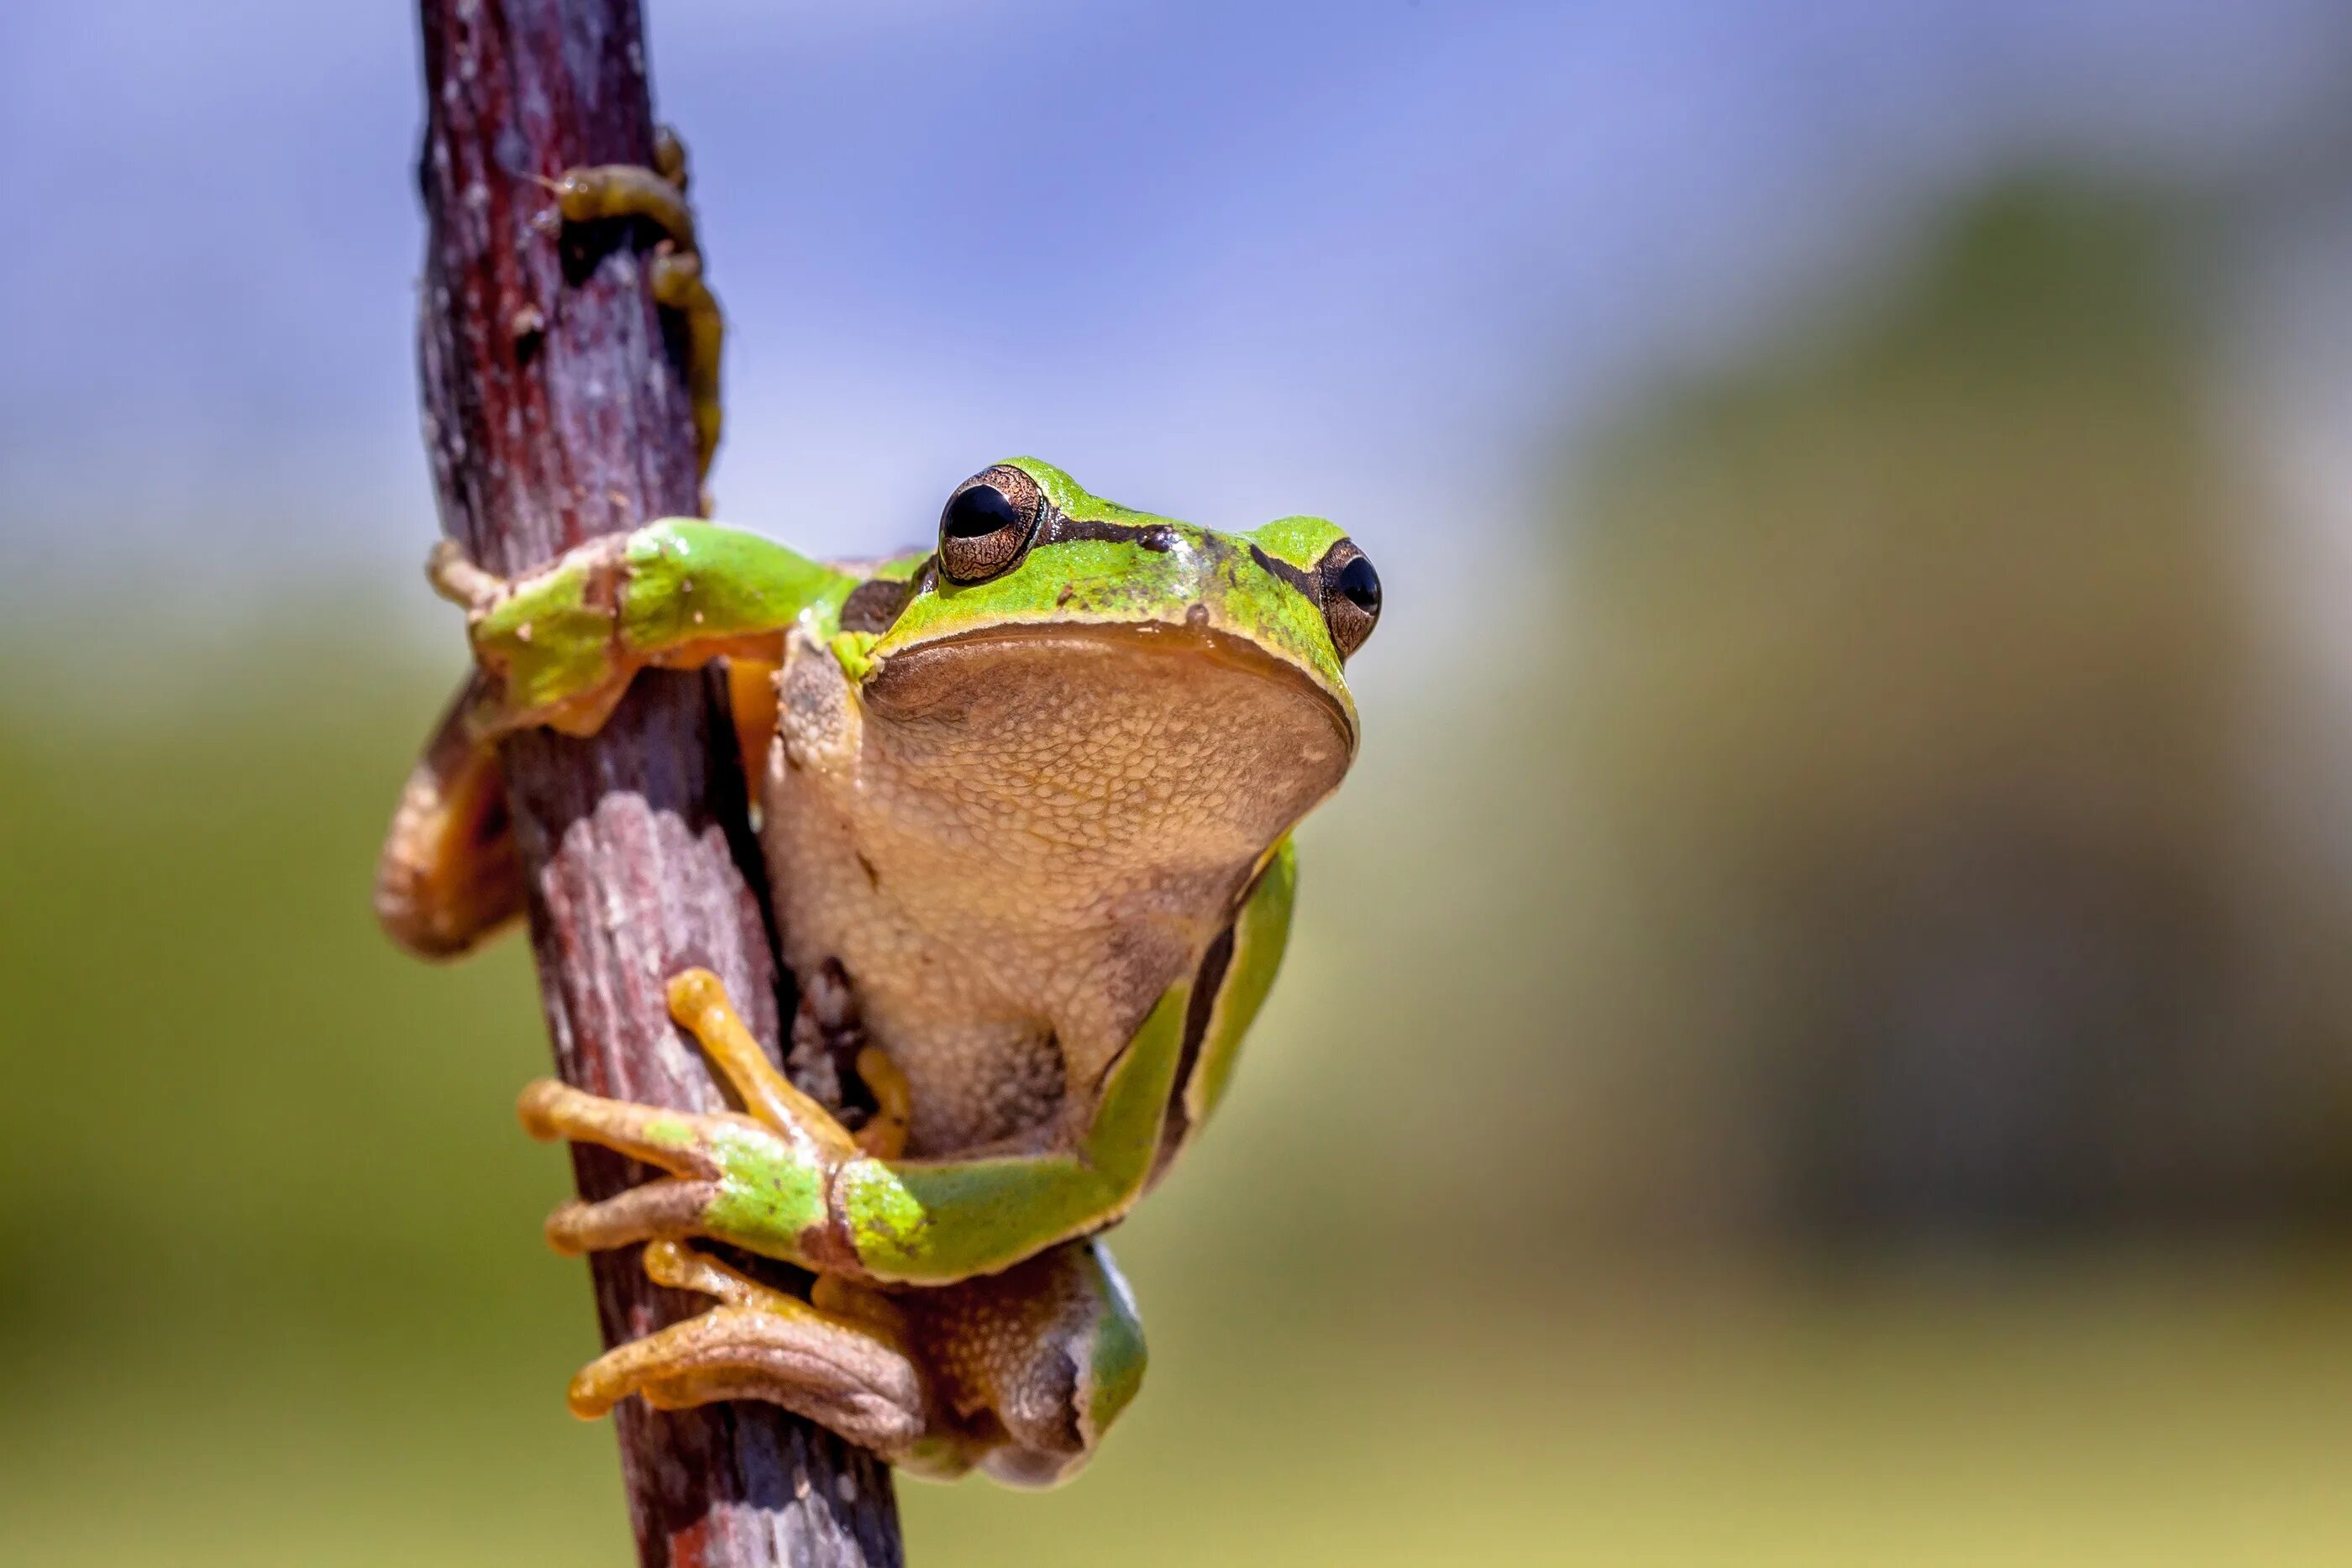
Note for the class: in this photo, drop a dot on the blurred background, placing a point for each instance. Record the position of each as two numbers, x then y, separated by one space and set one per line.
1818 1032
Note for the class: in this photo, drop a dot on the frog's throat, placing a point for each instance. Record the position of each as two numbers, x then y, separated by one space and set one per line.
901 687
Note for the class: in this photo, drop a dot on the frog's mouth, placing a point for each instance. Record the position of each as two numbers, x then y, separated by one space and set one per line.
1186 719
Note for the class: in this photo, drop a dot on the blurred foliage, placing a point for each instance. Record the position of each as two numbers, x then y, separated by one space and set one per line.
1848 838
1909 701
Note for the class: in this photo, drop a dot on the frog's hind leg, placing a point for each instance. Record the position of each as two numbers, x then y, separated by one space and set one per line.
658 194
846 1371
449 876
1033 1364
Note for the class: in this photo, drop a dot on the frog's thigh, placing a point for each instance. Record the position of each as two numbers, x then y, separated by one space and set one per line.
1050 1351
449 875
846 1373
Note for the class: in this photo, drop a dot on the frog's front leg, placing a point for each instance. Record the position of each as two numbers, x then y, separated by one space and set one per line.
558 647
658 194
788 1182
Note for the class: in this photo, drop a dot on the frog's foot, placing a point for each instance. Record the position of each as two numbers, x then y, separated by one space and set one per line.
658 194
1021 1370
558 646
449 875
761 1180
1031 1365
1020 1373
845 1370
722 1166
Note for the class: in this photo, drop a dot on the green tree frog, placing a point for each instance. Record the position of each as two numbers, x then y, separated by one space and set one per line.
1026 796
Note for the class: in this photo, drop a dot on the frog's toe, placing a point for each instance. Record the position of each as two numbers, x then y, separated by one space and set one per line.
658 195
594 193
677 1141
678 286
455 577
659 1211
682 1143
832 1371
732 1177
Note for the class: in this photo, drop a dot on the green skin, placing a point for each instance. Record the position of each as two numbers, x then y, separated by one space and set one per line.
558 647
688 582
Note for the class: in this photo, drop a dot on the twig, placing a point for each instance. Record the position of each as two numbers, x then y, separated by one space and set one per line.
553 412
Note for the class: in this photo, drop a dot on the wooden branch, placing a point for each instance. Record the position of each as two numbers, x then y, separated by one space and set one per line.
554 411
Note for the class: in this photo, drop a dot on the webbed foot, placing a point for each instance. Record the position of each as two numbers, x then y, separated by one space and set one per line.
762 1179
850 1372
1020 1374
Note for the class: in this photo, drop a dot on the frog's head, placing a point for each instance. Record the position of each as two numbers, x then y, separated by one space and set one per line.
1184 681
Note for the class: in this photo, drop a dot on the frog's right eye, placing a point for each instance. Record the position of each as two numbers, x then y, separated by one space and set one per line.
987 524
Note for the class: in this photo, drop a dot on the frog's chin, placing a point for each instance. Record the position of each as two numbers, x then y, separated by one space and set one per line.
918 680
1172 729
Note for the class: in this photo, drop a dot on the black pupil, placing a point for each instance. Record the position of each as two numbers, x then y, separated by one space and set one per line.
981 510
1361 585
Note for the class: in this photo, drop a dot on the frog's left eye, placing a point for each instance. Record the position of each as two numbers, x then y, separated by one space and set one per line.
987 524
1351 595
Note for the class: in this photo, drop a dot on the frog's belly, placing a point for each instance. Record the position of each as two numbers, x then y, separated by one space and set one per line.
1016 855
997 1008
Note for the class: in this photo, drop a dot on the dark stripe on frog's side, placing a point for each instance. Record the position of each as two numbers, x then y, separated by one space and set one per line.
1208 982
1198 1010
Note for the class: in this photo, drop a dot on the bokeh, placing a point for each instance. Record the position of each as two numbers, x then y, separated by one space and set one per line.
1817 1032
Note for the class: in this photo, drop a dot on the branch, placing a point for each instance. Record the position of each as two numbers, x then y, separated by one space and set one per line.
554 413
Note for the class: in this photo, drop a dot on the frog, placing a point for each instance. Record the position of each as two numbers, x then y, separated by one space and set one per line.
1027 797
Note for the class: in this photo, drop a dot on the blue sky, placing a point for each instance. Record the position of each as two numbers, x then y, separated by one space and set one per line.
1227 260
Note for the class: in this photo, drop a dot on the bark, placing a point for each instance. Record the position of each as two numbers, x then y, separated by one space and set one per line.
555 411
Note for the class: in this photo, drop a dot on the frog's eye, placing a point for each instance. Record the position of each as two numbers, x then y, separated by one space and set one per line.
1351 595
988 523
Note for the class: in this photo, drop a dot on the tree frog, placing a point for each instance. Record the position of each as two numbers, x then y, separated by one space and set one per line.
1026 796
